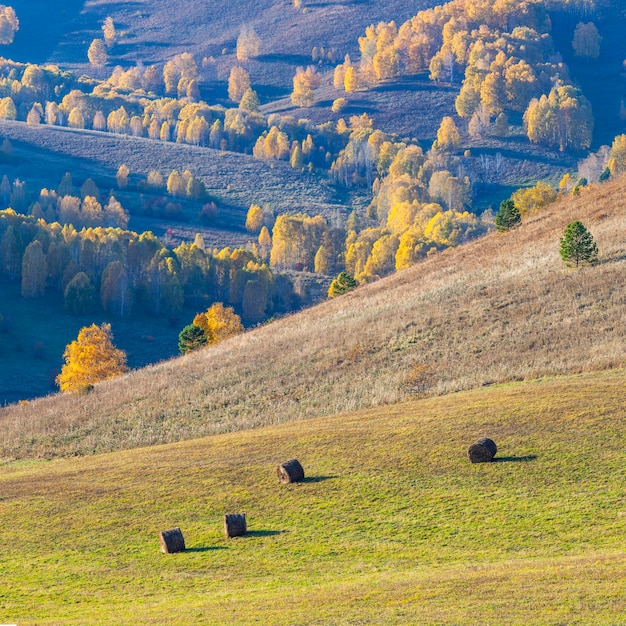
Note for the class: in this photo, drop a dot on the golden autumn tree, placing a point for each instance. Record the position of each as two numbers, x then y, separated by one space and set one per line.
448 136
219 323
76 119
91 358
97 53
248 44
9 24
617 156
586 42
7 109
122 176
304 82
254 219
321 262
351 79
238 83
34 115
265 243
249 101
108 32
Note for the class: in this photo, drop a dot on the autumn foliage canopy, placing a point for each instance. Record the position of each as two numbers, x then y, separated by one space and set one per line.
91 358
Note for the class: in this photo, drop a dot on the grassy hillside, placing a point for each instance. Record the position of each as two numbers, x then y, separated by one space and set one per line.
498 309
44 153
392 526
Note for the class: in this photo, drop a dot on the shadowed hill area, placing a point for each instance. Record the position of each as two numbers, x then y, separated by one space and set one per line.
45 153
501 308
153 31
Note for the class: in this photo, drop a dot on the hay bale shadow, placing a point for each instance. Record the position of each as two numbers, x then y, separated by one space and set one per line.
316 479
264 533
205 549
515 459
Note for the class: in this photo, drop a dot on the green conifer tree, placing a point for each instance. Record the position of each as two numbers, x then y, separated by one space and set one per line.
577 245
508 217
342 284
79 296
191 338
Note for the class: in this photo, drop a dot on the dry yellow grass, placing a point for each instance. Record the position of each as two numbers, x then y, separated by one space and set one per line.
498 309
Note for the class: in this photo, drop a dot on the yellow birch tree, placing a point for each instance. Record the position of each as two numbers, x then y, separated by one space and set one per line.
219 323
91 358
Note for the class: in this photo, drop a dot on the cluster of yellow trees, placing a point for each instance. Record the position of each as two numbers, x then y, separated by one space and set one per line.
124 272
85 206
92 357
563 119
418 210
68 205
165 106
216 324
503 52
419 207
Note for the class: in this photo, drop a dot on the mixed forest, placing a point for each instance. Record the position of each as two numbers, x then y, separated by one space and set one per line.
144 243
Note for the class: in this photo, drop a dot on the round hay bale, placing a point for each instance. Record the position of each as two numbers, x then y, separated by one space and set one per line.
235 525
290 472
482 451
172 541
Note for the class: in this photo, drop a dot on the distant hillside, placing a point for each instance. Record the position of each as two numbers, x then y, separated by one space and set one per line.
153 31
44 153
498 309
392 524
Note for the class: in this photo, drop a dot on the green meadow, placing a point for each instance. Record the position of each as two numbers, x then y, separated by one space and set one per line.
392 524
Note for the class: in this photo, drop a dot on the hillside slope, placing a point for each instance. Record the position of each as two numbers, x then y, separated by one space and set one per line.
501 308
44 153
153 31
392 526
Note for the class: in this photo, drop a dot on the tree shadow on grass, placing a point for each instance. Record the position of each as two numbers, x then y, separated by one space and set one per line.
515 459
316 479
291 59
612 259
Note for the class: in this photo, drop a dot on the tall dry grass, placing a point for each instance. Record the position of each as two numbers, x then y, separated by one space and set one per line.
498 309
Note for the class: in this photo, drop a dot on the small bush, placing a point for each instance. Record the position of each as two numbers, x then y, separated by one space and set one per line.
339 105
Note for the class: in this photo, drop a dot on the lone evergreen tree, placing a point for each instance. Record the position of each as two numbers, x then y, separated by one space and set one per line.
80 296
342 284
191 338
508 216
577 245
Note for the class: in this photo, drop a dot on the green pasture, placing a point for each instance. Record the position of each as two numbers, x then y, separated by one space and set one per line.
392 524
